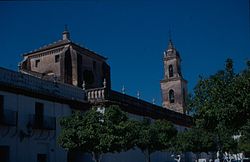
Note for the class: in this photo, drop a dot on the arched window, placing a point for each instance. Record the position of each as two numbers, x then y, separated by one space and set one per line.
170 70
171 96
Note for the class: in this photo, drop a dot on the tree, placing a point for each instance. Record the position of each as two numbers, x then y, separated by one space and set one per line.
154 136
97 133
244 140
194 140
221 105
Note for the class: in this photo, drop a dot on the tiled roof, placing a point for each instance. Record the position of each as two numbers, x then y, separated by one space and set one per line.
52 45
61 43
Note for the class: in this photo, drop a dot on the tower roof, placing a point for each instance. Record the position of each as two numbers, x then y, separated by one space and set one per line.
171 51
170 45
62 42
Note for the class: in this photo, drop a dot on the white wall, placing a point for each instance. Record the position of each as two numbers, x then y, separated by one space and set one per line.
40 141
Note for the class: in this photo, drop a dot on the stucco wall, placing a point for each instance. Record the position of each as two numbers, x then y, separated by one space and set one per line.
39 141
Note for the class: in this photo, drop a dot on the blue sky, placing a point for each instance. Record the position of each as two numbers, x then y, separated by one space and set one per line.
133 35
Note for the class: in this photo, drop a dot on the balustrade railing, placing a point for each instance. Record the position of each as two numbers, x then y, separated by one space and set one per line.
96 94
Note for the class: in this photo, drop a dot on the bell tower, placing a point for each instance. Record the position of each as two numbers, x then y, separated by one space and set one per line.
173 85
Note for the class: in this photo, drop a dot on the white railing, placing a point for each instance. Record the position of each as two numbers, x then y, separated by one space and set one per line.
20 80
96 94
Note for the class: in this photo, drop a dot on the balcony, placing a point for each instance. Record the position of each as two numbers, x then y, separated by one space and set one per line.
42 122
8 118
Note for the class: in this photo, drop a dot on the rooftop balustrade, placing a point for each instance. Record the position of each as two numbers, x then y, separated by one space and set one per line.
31 83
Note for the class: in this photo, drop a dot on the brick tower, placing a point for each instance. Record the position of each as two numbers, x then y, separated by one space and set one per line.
173 85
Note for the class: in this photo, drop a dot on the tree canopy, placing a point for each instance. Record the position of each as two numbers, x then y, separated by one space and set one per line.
221 105
195 140
97 132
155 136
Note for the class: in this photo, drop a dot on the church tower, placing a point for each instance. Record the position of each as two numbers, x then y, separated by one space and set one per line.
173 85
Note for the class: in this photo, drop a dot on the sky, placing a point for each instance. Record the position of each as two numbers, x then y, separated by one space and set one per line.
133 35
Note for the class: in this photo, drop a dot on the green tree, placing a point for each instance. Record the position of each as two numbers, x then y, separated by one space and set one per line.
154 136
221 105
244 140
194 140
97 133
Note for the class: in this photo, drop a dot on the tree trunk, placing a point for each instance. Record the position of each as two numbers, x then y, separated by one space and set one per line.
197 156
147 153
71 156
96 157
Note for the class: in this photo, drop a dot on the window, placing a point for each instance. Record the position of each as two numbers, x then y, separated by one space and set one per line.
171 96
36 63
41 158
1 106
88 77
57 57
39 108
170 71
94 65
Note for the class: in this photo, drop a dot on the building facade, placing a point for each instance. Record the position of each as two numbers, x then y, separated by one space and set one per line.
67 62
62 77
30 111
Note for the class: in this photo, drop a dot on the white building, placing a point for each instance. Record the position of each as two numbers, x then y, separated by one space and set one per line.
30 109
61 77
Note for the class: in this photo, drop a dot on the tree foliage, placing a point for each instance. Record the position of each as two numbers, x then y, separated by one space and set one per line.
244 141
154 136
195 140
221 105
97 132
